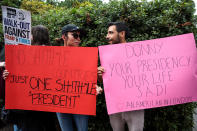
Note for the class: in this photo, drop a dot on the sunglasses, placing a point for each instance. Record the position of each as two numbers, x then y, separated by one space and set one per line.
75 35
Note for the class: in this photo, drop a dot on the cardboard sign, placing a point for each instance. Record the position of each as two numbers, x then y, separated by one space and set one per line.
151 73
55 79
16 26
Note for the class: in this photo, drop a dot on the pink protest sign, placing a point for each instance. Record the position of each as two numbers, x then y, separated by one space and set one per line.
149 74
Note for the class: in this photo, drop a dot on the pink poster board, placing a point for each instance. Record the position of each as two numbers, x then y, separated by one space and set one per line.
149 74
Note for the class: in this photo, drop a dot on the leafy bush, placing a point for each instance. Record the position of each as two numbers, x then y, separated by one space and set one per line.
36 6
147 20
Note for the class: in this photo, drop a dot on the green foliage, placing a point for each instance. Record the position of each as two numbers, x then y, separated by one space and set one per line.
147 20
172 118
11 3
75 3
36 6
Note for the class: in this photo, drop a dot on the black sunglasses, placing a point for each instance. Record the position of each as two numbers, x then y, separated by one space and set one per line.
75 35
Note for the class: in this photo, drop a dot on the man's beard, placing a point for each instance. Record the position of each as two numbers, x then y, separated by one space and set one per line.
117 40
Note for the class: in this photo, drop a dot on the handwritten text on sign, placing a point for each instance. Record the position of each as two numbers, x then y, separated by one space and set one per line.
148 74
57 79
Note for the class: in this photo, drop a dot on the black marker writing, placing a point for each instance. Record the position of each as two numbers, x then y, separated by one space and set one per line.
36 83
163 63
138 50
75 87
54 100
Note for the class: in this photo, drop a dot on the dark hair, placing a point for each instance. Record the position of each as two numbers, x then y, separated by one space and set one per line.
59 40
120 26
40 35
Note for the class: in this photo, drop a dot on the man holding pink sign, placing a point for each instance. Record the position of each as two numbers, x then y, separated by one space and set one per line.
117 33
146 74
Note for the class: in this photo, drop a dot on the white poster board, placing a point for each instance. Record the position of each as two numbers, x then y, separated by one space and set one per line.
16 26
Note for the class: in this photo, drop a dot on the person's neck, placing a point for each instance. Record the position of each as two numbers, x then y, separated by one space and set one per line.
123 41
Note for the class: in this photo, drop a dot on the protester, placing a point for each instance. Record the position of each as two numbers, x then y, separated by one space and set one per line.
117 33
71 36
34 120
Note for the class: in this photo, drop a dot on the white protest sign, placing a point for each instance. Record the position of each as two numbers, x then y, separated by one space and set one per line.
16 25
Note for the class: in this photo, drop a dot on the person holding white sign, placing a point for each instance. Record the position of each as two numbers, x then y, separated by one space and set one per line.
117 33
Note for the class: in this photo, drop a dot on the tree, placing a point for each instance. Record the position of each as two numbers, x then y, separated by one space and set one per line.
147 20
